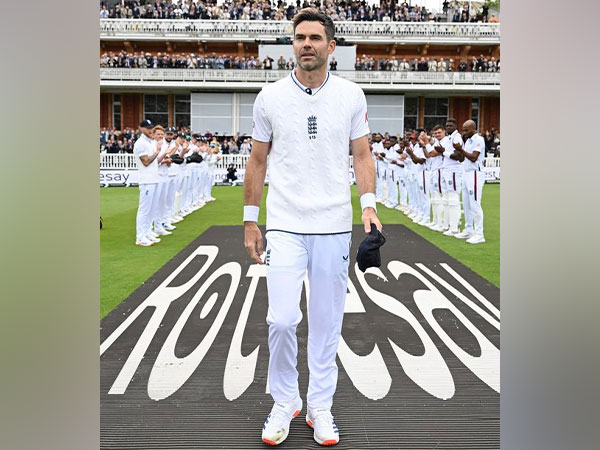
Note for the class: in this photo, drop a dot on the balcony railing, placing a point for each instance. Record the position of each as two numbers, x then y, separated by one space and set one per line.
265 76
265 30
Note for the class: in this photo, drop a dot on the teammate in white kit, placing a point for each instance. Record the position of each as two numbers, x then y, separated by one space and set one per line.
377 146
169 198
160 195
473 151
146 151
391 156
305 123
451 178
418 158
435 159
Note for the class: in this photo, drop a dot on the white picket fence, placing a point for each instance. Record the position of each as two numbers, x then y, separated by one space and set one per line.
127 161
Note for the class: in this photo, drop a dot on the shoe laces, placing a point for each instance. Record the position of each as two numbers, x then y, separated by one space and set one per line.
279 415
322 418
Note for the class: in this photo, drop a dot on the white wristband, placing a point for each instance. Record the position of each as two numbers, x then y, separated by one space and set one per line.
368 200
251 213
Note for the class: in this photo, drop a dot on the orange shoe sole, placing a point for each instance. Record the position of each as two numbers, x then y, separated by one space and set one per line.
269 441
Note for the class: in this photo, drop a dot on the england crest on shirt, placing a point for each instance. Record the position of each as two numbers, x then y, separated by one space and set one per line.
312 127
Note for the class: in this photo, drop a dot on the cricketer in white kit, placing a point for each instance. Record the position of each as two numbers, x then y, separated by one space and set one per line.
160 195
146 152
379 167
452 172
435 159
473 181
305 122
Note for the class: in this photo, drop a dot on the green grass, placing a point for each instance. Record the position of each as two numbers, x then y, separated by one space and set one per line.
124 266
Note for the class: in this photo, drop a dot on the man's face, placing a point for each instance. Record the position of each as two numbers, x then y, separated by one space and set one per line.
468 129
159 135
146 132
169 137
311 48
438 134
377 138
450 127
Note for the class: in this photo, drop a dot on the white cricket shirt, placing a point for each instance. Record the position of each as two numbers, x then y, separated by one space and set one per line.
146 174
474 144
435 162
447 141
309 180
419 153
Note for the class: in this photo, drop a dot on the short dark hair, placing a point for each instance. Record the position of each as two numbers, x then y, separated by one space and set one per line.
452 120
438 127
314 15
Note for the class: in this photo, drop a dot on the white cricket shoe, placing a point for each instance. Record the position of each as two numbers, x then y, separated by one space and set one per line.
277 426
211 199
151 238
169 227
325 430
450 233
437 228
154 233
464 234
476 239
163 232
176 218
144 243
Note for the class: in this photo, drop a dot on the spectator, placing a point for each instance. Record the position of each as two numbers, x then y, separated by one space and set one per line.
233 148
333 64
404 66
281 63
245 148
268 63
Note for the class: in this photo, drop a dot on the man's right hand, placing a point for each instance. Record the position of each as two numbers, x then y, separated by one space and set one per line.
253 241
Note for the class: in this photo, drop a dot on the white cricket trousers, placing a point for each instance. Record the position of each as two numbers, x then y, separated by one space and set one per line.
208 183
472 189
412 187
451 189
392 183
435 189
378 180
160 199
170 188
143 220
288 258
424 202
402 187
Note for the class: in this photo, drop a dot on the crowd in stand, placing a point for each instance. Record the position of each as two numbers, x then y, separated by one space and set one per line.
214 61
426 64
191 61
338 10
122 141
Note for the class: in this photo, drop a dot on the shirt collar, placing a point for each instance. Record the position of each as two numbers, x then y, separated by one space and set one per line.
309 91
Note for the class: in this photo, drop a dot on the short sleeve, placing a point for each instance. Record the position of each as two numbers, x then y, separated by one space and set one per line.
479 145
360 118
140 149
261 127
